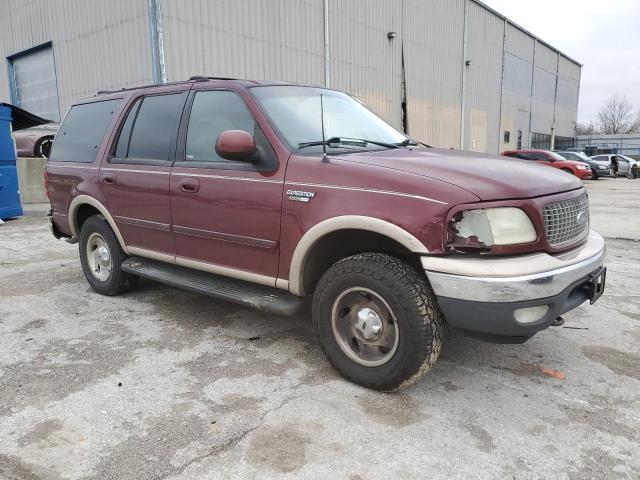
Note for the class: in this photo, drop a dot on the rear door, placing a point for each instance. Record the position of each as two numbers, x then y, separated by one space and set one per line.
226 214
135 177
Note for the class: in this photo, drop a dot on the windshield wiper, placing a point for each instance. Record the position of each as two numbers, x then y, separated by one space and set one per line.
361 142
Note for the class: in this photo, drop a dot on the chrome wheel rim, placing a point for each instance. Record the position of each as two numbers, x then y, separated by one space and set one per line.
44 149
364 327
98 257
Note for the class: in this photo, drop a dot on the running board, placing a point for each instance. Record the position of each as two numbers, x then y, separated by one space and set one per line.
260 297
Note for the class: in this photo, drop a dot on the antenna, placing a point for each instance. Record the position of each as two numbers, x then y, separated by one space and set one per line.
324 140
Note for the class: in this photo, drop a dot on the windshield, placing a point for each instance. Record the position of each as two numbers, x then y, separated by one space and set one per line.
575 156
556 156
295 113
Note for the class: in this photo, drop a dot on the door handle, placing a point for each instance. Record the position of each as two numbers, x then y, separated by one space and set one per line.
189 185
109 178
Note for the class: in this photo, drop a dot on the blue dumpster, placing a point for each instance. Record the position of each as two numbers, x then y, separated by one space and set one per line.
9 194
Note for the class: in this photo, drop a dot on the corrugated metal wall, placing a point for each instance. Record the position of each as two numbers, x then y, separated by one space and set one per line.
567 99
96 44
433 58
278 39
363 61
485 38
544 89
518 81
105 45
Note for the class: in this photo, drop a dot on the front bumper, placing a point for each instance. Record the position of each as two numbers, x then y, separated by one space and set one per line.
481 295
604 173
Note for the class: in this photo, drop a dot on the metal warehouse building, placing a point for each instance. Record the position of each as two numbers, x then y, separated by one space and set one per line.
452 73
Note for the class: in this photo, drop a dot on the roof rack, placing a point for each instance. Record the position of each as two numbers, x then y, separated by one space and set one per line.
195 78
104 92
201 78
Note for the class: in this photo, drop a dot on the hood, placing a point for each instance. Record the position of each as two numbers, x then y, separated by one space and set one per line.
574 162
489 177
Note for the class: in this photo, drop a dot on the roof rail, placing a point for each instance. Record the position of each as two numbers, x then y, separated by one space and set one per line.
201 78
104 92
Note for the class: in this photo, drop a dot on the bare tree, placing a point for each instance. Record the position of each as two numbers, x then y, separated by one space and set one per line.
616 116
586 128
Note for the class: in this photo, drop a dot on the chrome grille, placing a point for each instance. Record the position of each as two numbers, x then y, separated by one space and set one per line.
563 221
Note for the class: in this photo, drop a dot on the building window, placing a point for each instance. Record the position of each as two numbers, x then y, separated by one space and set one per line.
507 136
540 141
564 143
33 83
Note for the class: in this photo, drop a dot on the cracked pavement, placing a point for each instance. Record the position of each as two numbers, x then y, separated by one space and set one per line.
164 383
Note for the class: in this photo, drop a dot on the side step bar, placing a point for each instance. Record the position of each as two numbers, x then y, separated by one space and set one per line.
260 297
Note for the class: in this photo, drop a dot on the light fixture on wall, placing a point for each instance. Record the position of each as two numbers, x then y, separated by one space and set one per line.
392 35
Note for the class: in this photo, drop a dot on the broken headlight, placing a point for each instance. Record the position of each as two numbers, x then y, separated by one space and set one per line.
482 229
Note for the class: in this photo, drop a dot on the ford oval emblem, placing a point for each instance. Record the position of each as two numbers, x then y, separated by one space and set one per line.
581 218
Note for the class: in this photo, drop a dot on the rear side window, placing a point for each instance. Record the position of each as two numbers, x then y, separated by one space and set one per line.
81 133
149 129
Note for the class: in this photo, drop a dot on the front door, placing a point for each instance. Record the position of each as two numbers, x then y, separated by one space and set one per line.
226 214
135 179
622 164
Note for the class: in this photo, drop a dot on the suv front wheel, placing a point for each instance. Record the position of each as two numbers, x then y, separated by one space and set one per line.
101 257
378 321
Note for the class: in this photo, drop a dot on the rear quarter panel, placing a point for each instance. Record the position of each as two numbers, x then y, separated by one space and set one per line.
67 180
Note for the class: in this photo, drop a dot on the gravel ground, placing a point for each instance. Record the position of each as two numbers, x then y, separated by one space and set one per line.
163 383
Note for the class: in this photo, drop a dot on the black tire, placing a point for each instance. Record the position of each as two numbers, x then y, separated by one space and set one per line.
594 175
42 148
118 280
413 304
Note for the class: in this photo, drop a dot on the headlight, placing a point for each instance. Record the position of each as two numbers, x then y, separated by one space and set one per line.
483 228
583 167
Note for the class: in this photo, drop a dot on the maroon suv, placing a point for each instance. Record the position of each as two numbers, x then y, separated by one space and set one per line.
269 193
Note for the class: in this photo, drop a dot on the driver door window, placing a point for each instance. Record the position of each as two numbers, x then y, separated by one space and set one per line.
212 113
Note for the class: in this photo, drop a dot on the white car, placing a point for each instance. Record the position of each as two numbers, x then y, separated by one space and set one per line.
621 165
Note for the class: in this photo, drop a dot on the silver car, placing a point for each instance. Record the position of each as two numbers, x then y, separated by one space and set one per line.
36 141
621 165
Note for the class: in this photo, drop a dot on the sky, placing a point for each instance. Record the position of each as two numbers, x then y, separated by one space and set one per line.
602 35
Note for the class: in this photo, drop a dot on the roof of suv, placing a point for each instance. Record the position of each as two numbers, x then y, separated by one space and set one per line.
197 79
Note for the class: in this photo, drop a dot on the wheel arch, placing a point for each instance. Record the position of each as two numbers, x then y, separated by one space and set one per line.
85 200
372 228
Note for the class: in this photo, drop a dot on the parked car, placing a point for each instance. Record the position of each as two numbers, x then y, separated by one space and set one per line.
36 141
552 159
598 168
269 194
621 165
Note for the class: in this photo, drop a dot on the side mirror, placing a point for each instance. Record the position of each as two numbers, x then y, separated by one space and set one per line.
237 145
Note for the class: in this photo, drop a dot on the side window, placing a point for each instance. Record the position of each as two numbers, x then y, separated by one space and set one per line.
538 156
523 156
148 131
212 113
125 134
81 133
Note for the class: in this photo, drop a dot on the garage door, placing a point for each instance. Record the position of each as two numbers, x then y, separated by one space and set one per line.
33 78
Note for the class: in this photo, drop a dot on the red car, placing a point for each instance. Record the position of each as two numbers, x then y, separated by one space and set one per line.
552 159
277 196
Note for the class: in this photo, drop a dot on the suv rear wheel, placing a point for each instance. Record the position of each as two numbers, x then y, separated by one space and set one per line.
378 321
101 258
